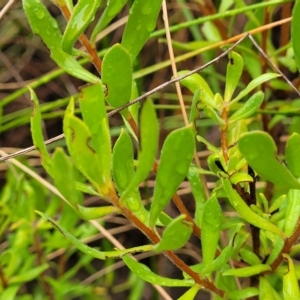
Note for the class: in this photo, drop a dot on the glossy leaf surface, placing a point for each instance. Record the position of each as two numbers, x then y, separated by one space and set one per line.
253 84
141 22
147 275
148 146
260 150
92 213
195 82
246 212
210 229
64 176
85 158
94 115
248 108
176 156
290 281
117 75
292 211
43 24
292 154
81 16
190 293
171 239
233 74
243 294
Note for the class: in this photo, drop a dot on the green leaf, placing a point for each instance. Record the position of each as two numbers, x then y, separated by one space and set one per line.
148 146
123 173
29 275
92 213
95 117
10 292
248 108
243 294
290 281
198 192
123 167
176 156
292 211
295 31
195 82
240 177
170 239
117 75
233 74
78 244
37 132
292 154
249 257
225 255
82 15
246 212
147 275
141 22
266 291
64 177
190 294
260 150
247 271
113 7
210 229
85 158
253 84
43 24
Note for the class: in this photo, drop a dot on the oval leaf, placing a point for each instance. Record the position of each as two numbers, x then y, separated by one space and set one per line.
260 150
233 74
117 75
292 154
140 24
292 212
94 115
176 156
147 148
147 275
170 239
290 281
210 229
